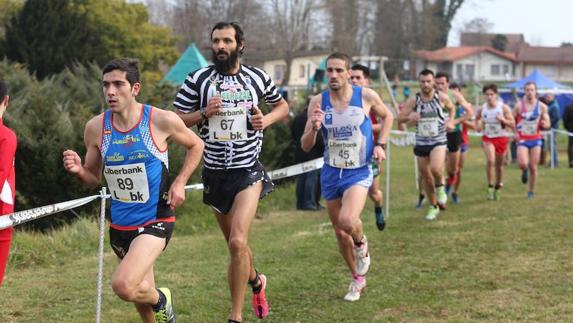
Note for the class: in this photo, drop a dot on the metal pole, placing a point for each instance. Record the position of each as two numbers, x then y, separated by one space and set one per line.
552 147
387 203
100 255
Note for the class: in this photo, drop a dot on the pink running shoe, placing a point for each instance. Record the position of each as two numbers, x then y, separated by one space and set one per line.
260 305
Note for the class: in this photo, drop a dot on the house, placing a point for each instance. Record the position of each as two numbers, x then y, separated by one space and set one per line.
302 69
555 62
468 63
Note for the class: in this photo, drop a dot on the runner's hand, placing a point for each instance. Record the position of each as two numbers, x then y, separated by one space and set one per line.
214 105
72 162
379 154
414 117
317 117
257 118
176 195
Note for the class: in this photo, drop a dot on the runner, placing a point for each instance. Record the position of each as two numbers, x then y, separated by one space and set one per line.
531 116
130 141
495 118
360 76
223 101
426 111
468 124
455 135
8 144
341 113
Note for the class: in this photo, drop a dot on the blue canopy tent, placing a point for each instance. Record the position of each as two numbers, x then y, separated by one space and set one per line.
563 93
191 60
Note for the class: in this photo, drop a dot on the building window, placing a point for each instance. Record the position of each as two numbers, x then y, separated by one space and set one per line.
505 69
495 70
301 72
470 72
279 73
459 72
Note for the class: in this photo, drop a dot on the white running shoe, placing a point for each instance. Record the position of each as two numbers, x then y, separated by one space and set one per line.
362 257
355 289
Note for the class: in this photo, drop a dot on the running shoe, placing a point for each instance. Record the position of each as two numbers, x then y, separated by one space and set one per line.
433 212
380 222
260 304
497 195
490 193
355 289
530 195
166 313
455 198
441 194
362 257
524 176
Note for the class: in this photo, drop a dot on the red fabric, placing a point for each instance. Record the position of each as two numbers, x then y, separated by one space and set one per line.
522 136
8 145
465 137
500 144
374 120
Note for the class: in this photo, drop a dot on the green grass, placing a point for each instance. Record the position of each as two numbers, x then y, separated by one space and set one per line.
504 261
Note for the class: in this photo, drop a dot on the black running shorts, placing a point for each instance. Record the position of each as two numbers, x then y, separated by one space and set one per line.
221 186
454 141
120 240
424 151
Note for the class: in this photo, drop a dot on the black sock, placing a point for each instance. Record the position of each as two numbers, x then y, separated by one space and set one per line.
498 186
421 197
378 209
490 186
233 321
254 283
160 302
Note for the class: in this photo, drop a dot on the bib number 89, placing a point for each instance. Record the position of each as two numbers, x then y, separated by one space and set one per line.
125 184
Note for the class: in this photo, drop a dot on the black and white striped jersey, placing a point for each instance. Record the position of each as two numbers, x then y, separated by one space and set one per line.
431 128
239 93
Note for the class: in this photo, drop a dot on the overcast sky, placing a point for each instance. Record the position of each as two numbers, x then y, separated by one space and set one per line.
543 22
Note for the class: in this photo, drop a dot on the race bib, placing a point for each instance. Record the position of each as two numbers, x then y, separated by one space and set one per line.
529 127
344 153
428 127
127 183
229 125
493 130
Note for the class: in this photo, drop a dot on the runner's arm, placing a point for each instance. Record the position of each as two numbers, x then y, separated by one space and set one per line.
311 128
467 107
545 120
382 111
508 116
404 115
90 172
278 112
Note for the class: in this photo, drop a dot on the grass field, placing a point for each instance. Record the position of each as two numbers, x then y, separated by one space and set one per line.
508 261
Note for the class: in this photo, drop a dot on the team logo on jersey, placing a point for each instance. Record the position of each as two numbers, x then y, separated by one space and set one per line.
127 140
138 154
107 132
117 157
248 80
328 118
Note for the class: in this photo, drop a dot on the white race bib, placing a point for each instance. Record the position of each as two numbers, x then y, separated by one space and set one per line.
529 127
428 127
127 183
229 125
493 130
344 153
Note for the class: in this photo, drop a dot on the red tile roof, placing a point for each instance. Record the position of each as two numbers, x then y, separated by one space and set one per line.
514 41
448 54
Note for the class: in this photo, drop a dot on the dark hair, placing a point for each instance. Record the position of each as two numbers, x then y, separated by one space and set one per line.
3 90
239 35
127 65
454 86
530 83
426 72
491 86
342 56
442 74
359 67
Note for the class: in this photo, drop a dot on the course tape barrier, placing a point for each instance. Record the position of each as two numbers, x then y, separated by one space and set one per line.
20 217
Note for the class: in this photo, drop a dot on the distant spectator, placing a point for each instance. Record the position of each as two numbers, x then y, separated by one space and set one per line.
307 184
554 110
7 178
568 124
406 92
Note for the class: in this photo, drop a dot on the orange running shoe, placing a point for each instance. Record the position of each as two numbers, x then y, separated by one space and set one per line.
260 305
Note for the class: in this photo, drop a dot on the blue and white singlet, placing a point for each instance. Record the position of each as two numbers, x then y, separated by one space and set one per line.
136 173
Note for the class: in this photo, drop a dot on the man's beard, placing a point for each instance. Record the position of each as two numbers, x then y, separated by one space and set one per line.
226 65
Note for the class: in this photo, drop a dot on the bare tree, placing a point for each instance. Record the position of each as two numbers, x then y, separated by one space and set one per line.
478 25
291 28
